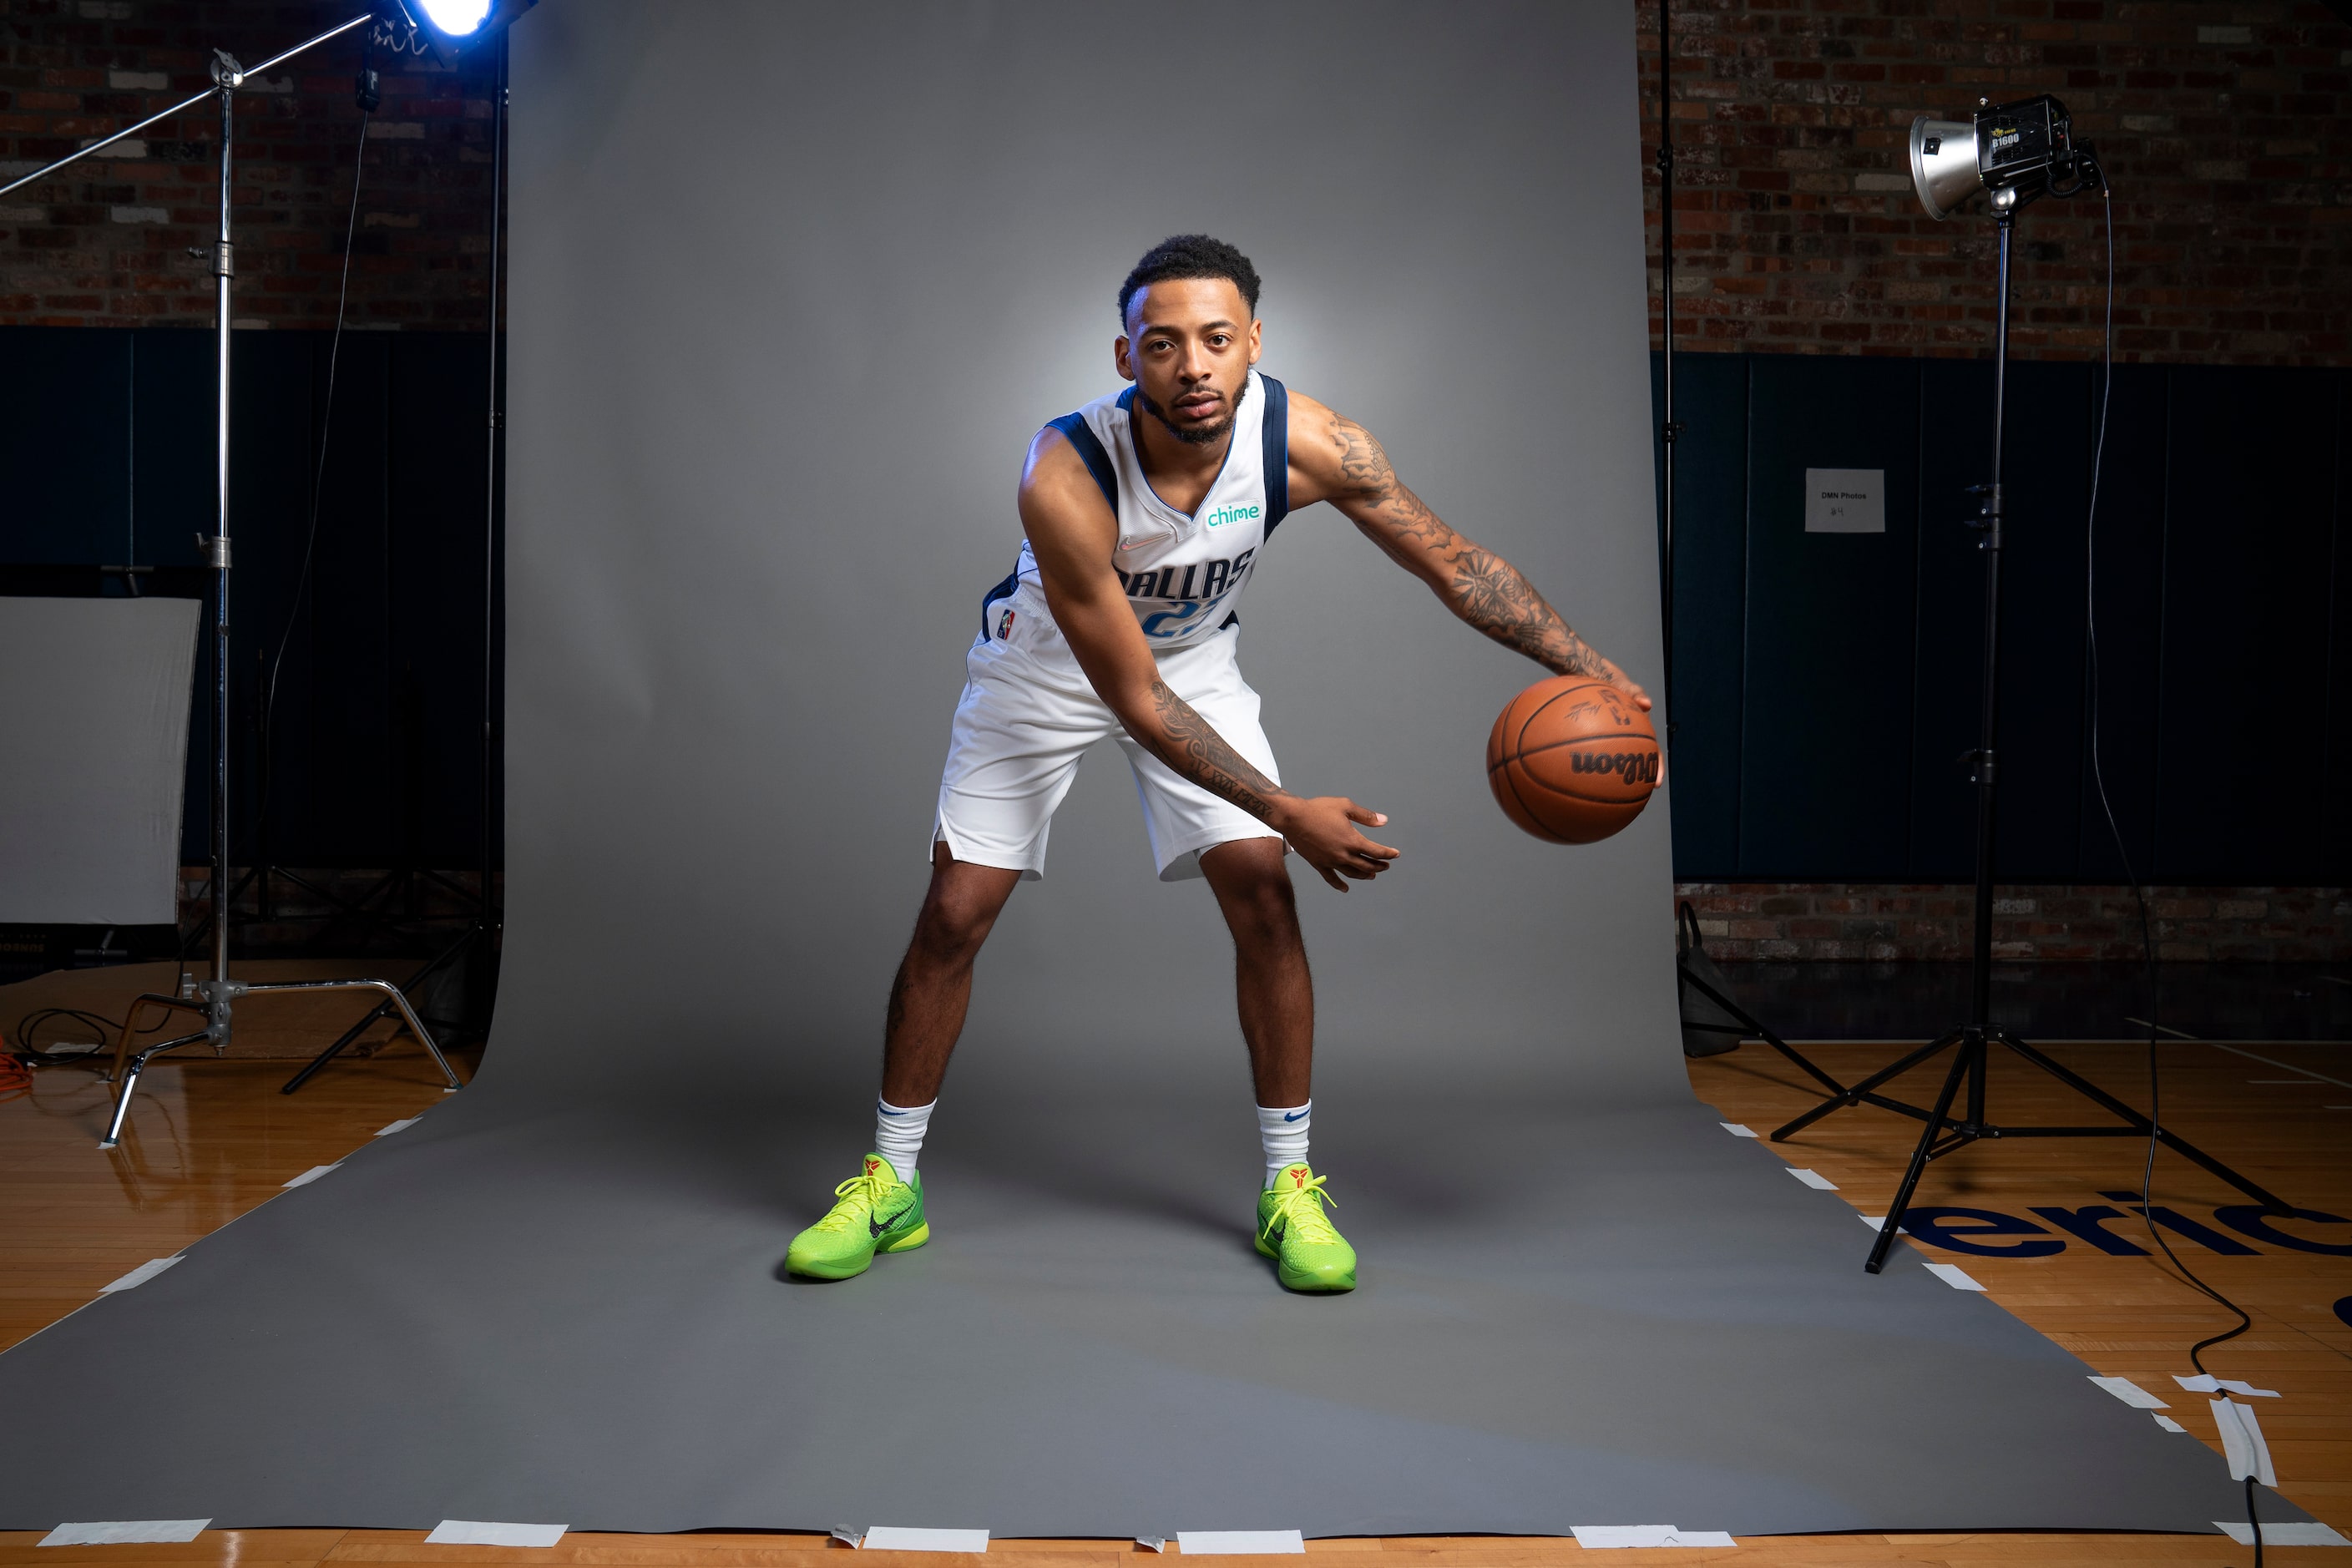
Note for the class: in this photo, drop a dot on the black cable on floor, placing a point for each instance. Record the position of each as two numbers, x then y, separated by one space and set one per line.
28 1052
2123 853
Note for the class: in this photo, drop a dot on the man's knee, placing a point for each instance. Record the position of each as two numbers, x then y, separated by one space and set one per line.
1259 903
958 914
950 931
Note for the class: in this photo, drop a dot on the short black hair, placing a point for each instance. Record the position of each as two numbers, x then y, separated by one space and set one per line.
1190 256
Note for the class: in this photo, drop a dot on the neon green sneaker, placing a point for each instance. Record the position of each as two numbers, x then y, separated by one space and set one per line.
1308 1253
876 1213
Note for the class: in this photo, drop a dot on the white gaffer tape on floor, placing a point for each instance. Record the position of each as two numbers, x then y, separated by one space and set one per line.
2131 1394
124 1531
901 1538
1812 1178
1596 1537
141 1275
2170 1424
398 1127
2241 1442
1952 1274
1878 1222
2206 1383
312 1174
1232 1543
493 1532
1737 1130
2283 1535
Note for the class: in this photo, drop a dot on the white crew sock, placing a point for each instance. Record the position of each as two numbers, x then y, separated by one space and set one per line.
898 1133
1282 1129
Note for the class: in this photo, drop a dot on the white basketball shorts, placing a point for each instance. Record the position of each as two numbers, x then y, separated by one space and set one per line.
1028 714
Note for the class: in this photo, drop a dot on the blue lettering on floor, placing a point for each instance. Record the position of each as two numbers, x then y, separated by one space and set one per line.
1988 1233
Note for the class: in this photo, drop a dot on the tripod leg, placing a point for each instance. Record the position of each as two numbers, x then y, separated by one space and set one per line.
1803 1064
311 1068
131 1026
393 999
127 1086
417 1026
1972 1047
2195 1156
130 1084
1867 1086
1746 1021
2137 1122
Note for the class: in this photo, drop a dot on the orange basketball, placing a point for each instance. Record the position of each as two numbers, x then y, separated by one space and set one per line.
1572 759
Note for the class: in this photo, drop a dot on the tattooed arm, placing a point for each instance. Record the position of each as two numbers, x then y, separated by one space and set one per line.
1334 458
1072 533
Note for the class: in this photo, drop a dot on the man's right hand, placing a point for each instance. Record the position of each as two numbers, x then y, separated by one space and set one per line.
1323 832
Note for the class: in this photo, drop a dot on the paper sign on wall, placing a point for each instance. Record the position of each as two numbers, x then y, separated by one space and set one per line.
1845 500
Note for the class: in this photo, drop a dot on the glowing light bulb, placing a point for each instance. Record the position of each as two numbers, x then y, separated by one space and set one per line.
456 17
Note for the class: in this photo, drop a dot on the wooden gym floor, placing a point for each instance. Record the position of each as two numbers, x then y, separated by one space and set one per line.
215 1139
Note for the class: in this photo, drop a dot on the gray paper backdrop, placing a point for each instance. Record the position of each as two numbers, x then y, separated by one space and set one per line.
793 286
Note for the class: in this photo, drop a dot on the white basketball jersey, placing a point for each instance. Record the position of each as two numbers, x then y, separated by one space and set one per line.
1183 573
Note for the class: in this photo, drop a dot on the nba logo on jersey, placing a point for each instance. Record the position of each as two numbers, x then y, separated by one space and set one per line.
1004 624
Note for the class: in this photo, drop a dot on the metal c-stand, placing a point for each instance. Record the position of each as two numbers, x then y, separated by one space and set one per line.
214 999
1945 1132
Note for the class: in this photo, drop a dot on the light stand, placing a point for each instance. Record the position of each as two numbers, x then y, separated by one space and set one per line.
2016 168
214 999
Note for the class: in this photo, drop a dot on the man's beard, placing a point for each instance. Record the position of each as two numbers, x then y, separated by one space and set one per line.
1197 435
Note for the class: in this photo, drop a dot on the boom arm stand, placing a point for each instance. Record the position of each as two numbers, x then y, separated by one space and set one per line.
214 998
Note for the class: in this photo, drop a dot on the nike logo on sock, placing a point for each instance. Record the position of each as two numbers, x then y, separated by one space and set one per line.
887 1112
1293 1115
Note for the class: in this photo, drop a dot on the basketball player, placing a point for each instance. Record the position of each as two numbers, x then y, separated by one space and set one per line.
1145 514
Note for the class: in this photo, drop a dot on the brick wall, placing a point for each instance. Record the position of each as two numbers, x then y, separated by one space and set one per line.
2228 126
2227 129
1789 920
105 243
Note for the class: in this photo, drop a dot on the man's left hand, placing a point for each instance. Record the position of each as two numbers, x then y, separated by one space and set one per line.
1618 679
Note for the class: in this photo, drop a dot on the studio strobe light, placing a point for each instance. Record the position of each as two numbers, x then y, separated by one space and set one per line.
2027 149
457 18
2017 152
451 26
